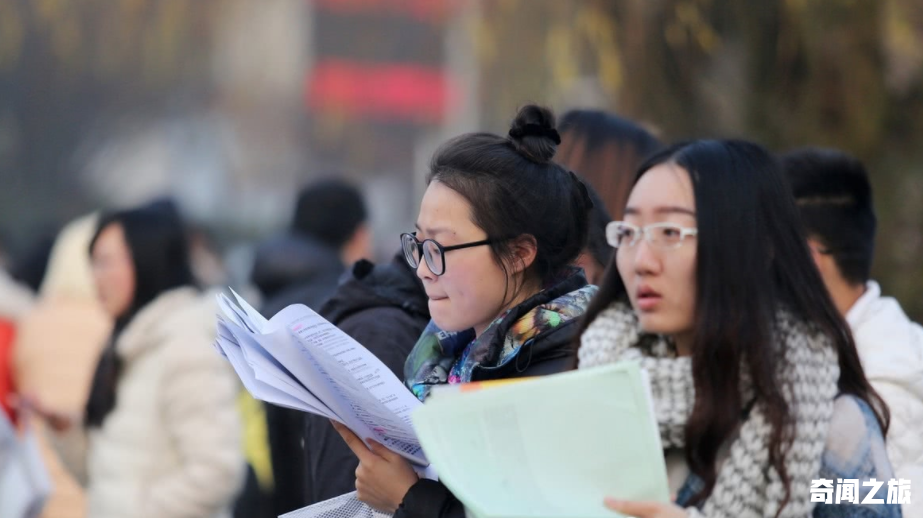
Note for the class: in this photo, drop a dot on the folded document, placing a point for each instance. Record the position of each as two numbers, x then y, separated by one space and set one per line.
299 360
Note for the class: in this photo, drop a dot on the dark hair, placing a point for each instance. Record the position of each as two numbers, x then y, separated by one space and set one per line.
515 189
832 192
752 260
597 244
605 150
329 211
159 251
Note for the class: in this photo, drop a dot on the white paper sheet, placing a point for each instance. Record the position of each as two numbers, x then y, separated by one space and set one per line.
299 354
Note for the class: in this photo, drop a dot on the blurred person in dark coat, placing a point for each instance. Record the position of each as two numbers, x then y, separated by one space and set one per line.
329 231
384 308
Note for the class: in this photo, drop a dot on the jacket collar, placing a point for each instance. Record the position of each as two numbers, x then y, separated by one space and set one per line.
159 318
863 305
441 357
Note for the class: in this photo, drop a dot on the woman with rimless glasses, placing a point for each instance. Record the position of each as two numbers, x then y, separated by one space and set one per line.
757 384
498 229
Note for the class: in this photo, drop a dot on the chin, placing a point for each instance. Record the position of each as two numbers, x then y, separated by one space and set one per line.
449 326
443 319
657 324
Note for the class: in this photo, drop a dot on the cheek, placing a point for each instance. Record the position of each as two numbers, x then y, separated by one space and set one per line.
103 281
624 266
126 284
475 290
686 281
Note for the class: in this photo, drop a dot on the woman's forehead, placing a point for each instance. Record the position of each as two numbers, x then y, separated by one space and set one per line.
443 211
664 189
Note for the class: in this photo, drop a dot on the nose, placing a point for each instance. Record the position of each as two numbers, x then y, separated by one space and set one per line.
646 258
423 271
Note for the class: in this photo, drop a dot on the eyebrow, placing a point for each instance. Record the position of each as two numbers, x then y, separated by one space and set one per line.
663 210
435 231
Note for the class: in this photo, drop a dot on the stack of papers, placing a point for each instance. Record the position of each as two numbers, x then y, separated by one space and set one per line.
343 506
550 447
299 360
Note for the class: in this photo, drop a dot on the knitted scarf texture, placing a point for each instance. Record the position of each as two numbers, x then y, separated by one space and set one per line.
747 486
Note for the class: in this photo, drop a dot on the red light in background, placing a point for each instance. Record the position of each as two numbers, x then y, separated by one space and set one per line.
389 91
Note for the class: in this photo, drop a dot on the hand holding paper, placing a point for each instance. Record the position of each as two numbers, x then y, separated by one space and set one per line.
383 477
646 509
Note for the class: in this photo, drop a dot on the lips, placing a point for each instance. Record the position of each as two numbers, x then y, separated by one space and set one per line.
647 298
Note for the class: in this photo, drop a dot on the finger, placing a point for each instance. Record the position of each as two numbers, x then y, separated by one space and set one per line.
636 509
353 441
382 451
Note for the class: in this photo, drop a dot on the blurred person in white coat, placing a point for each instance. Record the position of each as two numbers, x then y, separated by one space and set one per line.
160 435
834 196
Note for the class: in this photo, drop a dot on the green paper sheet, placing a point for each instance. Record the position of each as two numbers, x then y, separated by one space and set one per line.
547 447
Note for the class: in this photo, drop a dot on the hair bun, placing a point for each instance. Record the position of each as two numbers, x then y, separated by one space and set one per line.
533 134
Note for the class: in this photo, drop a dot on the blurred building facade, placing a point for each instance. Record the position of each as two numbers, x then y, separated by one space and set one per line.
231 105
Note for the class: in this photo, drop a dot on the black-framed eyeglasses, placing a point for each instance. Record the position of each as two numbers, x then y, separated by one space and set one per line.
431 251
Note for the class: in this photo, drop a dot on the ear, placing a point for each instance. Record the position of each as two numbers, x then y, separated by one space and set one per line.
523 250
820 259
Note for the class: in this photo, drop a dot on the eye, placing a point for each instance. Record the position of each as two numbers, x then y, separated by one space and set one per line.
626 234
671 232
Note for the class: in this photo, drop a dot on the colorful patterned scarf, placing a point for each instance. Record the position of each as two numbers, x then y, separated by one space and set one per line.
451 357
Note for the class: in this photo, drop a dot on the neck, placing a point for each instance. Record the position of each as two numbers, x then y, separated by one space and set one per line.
524 293
683 344
845 295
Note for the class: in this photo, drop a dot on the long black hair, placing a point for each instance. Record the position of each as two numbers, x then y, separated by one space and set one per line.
159 251
752 260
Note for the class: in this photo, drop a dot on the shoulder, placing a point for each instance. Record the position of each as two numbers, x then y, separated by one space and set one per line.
182 322
876 319
383 320
855 447
855 456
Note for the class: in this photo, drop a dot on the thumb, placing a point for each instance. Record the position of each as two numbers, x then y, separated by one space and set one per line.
636 509
382 451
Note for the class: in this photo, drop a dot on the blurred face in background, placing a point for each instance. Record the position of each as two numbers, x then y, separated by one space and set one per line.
472 291
591 267
113 270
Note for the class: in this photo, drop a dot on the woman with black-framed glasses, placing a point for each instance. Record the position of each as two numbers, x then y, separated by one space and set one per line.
499 227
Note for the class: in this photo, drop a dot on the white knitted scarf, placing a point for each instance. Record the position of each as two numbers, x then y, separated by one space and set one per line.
747 485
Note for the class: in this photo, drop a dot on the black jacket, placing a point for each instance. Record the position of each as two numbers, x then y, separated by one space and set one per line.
548 353
385 309
291 269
